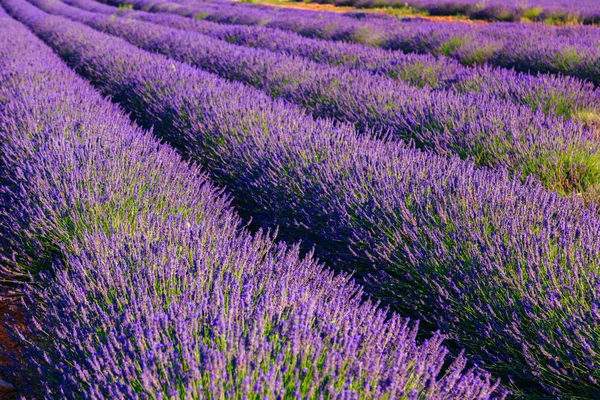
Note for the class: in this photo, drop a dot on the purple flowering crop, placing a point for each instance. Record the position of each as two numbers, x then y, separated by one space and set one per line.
570 50
510 271
565 96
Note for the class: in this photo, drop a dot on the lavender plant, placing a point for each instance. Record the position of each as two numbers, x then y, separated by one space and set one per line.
156 290
509 270
563 155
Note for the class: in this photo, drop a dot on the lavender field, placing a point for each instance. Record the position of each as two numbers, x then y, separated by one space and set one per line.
222 200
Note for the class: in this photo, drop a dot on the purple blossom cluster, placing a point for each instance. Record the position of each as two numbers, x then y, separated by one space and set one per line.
565 96
509 270
549 11
570 50
496 133
151 287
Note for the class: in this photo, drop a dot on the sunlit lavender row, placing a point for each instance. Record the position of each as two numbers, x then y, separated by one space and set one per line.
570 50
494 263
564 96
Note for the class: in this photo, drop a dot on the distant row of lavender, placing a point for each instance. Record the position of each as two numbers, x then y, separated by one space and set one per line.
565 156
497 264
564 96
156 291
573 50
549 11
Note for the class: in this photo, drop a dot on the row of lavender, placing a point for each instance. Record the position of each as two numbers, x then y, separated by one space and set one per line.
525 47
146 286
549 11
564 96
494 133
509 270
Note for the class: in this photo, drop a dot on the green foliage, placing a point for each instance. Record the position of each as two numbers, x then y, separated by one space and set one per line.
451 45
566 60
531 14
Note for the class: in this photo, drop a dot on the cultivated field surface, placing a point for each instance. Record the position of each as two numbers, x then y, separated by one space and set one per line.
339 199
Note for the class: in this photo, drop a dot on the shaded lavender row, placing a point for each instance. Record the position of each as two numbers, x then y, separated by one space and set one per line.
542 48
156 291
562 154
549 11
565 96
509 270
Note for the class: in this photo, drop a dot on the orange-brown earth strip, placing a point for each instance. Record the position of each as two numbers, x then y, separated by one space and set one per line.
343 9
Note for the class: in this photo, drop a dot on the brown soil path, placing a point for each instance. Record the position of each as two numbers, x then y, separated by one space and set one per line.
8 308
343 9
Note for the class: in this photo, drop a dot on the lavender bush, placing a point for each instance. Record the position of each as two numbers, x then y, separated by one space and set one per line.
508 270
155 290
563 155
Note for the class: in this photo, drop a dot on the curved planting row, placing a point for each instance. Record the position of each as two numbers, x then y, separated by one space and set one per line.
565 96
509 270
570 50
156 291
563 155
